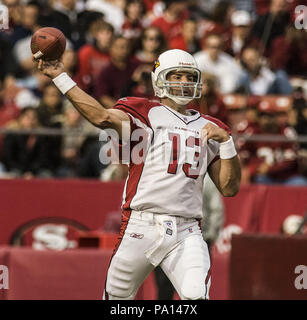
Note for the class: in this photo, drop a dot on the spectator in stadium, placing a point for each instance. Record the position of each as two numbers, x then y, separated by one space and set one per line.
171 21
258 79
140 84
8 64
15 16
206 8
272 162
89 165
30 13
117 74
272 24
300 110
50 109
241 36
152 43
213 60
18 94
298 120
150 4
70 61
71 144
94 57
8 109
22 55
211 102
289 52
35 83
154 9
248 126
50 115
25 154
187 40
88 22
113 11
65 16
133 25
219 21
31 21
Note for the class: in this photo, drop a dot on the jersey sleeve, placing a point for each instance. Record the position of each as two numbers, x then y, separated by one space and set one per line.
219 123
137 109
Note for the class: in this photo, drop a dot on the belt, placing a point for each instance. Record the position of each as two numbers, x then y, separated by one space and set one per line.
151 216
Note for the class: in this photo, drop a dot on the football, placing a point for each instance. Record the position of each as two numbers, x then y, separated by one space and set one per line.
48 44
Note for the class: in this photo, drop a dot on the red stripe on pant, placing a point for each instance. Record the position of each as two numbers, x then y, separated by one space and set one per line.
208 276
206 281
125 219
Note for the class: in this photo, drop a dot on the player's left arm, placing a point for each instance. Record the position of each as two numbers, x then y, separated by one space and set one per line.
225 172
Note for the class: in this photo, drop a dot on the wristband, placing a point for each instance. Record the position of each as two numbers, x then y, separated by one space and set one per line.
227 149
64 82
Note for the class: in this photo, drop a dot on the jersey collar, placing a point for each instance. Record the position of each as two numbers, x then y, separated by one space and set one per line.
191 116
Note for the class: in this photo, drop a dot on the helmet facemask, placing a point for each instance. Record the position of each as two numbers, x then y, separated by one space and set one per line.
180 92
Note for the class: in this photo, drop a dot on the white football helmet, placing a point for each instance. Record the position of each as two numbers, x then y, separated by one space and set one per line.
176 60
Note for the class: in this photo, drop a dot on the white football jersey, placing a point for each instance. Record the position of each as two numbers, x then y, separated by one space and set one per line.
167 167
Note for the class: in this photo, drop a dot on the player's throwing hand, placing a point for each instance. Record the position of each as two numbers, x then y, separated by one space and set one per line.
51 68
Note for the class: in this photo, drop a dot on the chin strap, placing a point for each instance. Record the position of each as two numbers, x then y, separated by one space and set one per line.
181 101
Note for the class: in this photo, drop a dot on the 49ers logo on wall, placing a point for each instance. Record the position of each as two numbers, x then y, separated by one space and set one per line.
54 233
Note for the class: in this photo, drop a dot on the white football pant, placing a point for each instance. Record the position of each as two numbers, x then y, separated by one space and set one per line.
174 243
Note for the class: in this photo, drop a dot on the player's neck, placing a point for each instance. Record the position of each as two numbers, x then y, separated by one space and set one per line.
172 104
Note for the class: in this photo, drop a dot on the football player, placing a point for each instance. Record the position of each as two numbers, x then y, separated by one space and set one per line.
162 201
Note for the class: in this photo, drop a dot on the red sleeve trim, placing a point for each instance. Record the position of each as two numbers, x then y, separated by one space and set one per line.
129 109
218 123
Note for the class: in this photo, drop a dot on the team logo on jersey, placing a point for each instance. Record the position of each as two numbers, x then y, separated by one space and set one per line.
190 230
169 231
156 65
137 235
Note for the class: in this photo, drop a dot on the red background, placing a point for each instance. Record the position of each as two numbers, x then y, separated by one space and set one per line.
256 209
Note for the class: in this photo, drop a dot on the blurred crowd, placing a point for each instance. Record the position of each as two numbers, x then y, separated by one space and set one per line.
252 55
